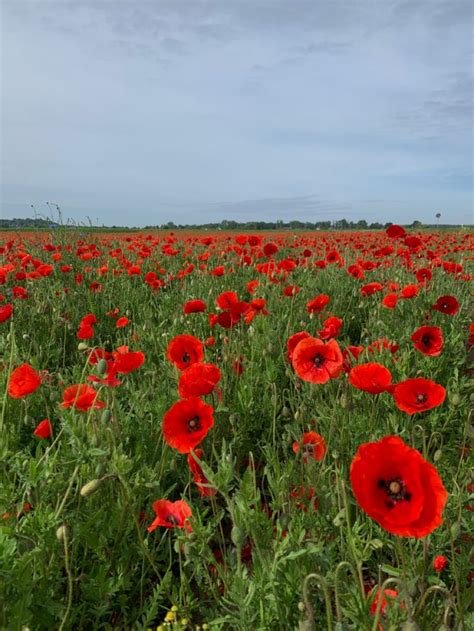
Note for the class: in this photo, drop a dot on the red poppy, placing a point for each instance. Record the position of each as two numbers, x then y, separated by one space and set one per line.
128 361
332 327
270 248
317 304
85 332
418 395
370 289
316 361
186 423
6 312
428 340
200 479
184 350
390 301
382 594
88 320
252 286
313 446
410 291
194 306
121 322
293 342
395 232
291 290
43 429
82 397
371 377
423 275
397 488
171 515
447 304
440 563
23 381
198 380
349 353
227 300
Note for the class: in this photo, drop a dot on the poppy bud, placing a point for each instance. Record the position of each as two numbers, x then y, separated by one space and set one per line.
437 455
106 416
410 625
102 366
297 415
343 401
285 412
82 346
301 606
61 533
455 398
455 530
237 537
90 487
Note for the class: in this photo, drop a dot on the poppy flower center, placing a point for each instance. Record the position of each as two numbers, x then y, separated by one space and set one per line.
421 398
194 424
186 357
308 451
171 519
318 360
426 340
396 491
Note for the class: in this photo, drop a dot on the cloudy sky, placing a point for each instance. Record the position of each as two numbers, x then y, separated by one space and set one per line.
136 113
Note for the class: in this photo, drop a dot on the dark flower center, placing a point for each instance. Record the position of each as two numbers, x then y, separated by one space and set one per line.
318 360
395 490
186 357
308 451
426 340
421 398
194 424
171 519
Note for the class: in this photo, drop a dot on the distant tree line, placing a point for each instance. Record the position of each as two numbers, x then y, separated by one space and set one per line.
340 224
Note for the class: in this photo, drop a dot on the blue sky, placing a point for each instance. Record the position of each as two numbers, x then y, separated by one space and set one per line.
139 113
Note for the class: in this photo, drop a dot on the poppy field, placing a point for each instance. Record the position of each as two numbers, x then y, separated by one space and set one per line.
236 431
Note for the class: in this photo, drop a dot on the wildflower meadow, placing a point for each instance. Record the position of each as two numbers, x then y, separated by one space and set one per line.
236 431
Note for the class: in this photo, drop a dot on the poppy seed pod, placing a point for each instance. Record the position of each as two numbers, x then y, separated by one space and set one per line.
82 346
90 487
102 366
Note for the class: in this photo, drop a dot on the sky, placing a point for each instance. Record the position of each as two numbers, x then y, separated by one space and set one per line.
139 113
